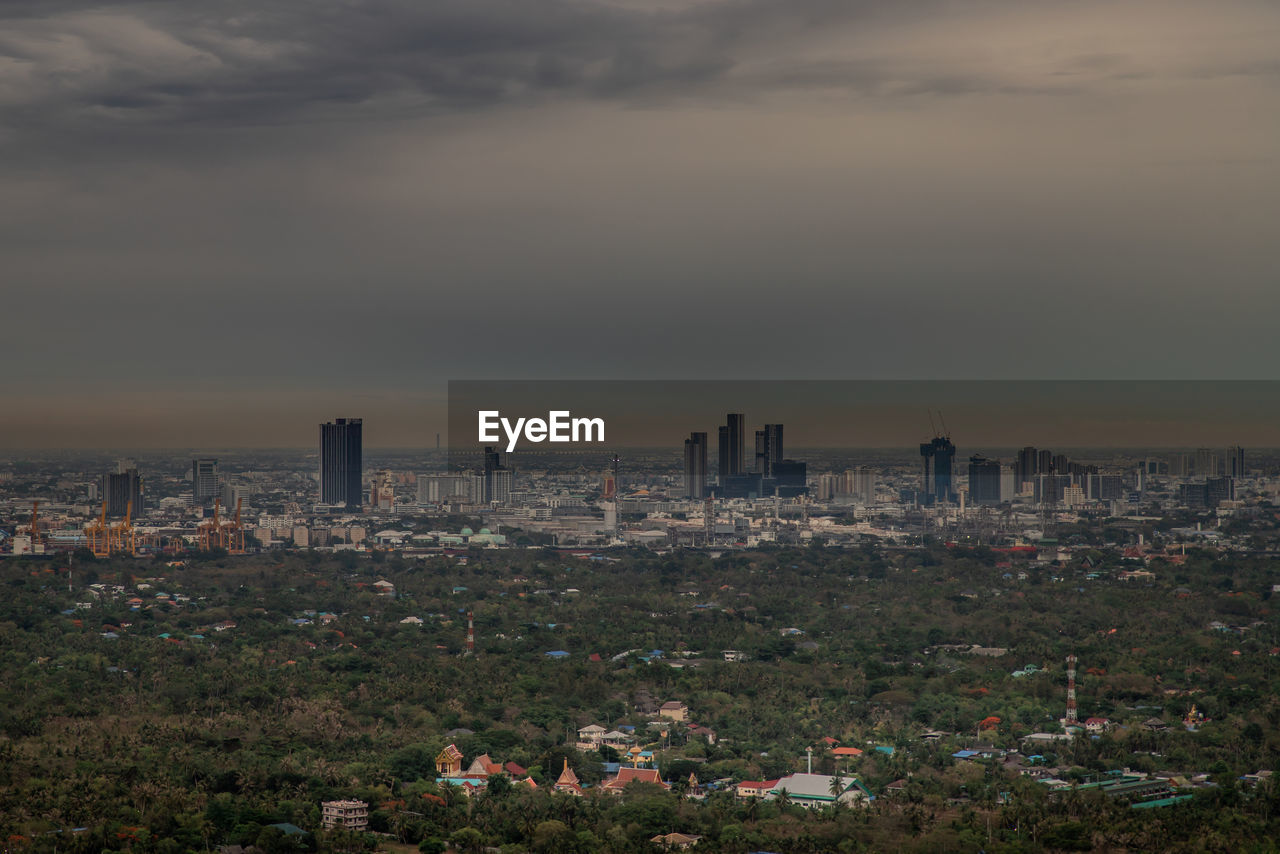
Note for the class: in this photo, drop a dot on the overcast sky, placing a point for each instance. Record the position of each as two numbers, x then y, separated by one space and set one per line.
224 221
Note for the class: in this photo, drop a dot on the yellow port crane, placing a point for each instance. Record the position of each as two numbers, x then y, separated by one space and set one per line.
121 536
234 539
97 535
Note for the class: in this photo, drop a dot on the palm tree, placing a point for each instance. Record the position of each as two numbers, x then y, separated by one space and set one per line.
837 787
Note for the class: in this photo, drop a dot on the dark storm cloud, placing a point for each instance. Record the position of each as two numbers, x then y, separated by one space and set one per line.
311 198
101 67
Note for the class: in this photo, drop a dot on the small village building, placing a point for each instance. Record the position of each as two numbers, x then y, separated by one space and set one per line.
352 815
674 710
815 791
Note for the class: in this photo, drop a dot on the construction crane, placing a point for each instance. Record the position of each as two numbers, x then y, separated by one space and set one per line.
96 535
234 535
121 537
210 530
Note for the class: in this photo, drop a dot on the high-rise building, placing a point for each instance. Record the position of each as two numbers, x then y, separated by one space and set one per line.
444 489
1044 462
859 484
1024 468
695 466
984 480
1234 462
205 485
342 462
770 448
1206 463
732 436
122 489
382 491
938 456
790 478
497 478
1219 489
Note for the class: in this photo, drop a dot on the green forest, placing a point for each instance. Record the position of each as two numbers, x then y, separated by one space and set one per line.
185 705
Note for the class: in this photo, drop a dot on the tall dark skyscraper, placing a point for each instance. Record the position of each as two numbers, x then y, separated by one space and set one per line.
695 466
769 451
938 457
732 438
1025 467
497 477
1234 462
122 489
341 462
984 480
204 481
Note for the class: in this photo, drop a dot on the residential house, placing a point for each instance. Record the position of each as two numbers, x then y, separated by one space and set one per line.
754 788
590 737
352 815
674 710
676 841
1097 725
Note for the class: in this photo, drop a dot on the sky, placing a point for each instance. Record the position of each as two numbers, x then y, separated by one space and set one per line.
221 223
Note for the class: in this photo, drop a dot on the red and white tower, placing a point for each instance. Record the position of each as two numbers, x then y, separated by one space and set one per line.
471 634
1070 719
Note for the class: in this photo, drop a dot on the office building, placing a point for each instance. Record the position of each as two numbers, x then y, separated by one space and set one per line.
205 484
938 456
1207 463
790 478
695 466
768 448
984 480
497 478
731 437
1025 468
1234 462
444 489
342 462
122 490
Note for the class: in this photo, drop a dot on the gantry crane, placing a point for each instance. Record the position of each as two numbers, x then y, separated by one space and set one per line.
208 530
121 536
96 535
234 535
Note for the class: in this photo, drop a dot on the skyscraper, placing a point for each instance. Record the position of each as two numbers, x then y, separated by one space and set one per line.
497 478
732 436
1207 463
938 457
122 489
1025 469
1234 460
769 448
205 485
695 465
342 462
984 480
